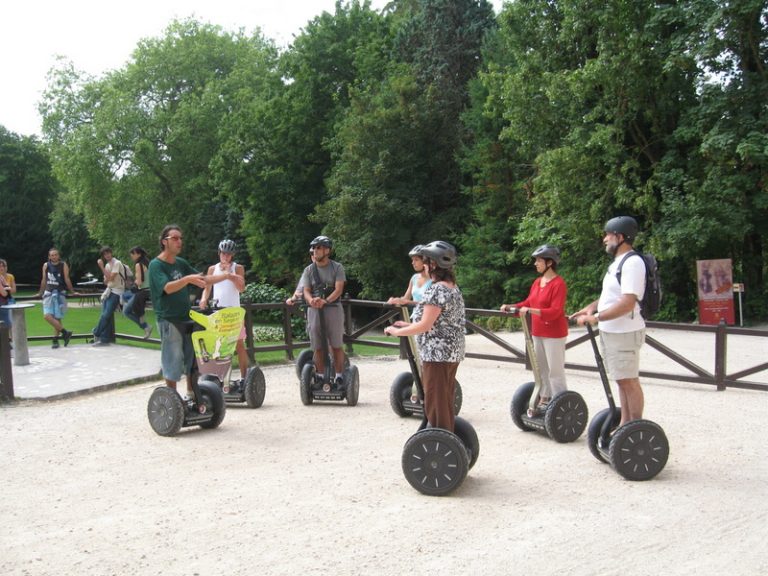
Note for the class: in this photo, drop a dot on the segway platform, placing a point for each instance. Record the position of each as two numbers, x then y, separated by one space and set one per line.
639 449
400 393
566 415
214 348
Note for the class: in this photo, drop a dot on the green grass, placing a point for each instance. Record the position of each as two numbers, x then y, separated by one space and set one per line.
83 319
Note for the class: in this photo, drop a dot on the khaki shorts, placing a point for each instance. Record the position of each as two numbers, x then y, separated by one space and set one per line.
621 353
334 326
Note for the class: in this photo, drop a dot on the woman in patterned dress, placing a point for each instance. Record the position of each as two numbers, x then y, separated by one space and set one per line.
438 323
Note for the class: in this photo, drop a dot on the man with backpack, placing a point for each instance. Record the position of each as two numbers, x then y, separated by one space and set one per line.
618 314
114 278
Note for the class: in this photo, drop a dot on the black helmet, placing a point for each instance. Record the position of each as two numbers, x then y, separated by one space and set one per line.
548 252
416 250
441 252
321 241
624 225
227 246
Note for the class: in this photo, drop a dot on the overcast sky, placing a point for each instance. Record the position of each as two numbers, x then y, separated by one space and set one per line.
100 35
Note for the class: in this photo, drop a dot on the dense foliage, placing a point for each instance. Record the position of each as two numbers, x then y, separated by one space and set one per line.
27 194
435 119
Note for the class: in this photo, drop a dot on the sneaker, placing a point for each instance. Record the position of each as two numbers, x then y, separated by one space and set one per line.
55 343
339 382
100 343
67 335
319 379
147 332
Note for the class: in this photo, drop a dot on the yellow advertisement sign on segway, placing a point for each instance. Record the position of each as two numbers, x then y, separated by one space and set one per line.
222 330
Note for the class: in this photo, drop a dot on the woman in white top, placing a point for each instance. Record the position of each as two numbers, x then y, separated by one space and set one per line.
418 284
227 292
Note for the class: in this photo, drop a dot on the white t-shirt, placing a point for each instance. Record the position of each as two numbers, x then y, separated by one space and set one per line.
632 282
117 284
226 291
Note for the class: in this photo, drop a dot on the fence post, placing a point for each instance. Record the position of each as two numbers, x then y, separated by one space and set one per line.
249 333
288 331
721 352
6 370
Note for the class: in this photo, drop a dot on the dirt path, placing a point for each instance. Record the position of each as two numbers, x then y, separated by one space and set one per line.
88 488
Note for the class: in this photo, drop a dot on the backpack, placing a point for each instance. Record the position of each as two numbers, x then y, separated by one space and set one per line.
651 300
128 280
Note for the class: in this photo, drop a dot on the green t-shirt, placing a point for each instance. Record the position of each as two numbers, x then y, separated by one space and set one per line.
173 307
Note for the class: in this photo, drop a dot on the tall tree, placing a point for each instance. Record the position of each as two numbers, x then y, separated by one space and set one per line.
591 98
27 192
396 148
275 159
135 146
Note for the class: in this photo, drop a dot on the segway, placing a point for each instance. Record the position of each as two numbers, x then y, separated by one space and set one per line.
564 418
223 328
435 461
325 390
168 412
639 449
400 393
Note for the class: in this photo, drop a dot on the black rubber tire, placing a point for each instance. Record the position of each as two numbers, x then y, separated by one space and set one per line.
303 357
352 383
435 461
466 433
305 383
209 378
639 450
165 411
399 392
519 405
458 399
255 387
566 417
213 398
596 425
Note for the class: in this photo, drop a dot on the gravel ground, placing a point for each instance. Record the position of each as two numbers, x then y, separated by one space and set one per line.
88 488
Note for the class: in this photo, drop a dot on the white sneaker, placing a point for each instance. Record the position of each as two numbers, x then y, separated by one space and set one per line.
147 332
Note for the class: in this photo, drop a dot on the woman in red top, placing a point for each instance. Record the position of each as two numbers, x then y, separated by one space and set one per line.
546 303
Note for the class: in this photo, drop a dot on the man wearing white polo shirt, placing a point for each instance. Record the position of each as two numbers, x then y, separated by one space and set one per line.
617 313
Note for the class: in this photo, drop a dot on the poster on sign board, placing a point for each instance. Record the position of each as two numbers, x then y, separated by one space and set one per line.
715 289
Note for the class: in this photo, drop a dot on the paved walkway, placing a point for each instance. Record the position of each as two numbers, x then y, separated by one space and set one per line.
64 372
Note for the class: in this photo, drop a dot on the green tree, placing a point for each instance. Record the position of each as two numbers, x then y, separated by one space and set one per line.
27 192
135 147
274 161
396 180
591 99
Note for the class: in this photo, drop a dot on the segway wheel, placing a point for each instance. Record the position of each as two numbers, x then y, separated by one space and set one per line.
255 387
435 461
352 383
304 358
399 392
213 398
639 450
165 411
566 417
466 433
519 405
458 399
305 384
595 428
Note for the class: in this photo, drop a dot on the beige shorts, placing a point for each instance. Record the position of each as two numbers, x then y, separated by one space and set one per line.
621 353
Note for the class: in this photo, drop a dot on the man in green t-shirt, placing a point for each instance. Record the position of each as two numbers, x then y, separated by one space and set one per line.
169 280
